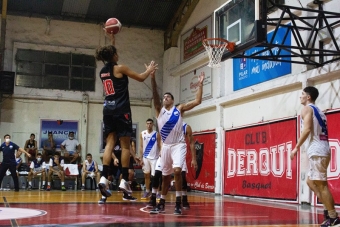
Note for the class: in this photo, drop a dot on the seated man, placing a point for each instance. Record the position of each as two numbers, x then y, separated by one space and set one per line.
37 167
56 166
71 148
49 147
90 169
31 147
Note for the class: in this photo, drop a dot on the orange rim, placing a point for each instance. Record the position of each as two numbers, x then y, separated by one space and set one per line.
229 45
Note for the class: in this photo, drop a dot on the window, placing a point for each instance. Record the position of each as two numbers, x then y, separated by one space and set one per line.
52 70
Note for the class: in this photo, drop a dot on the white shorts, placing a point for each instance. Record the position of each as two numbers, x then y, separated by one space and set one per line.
173 156
149 166
37 169
159 165
318 168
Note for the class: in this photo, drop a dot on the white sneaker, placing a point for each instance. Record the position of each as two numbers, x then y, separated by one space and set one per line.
125 186
103 187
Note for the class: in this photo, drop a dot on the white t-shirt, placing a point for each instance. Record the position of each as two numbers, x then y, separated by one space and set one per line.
70 145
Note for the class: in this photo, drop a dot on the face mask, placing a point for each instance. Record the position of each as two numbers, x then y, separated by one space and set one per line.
8 140
39 159
71 138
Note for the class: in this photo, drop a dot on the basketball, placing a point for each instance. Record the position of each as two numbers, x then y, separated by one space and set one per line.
113 26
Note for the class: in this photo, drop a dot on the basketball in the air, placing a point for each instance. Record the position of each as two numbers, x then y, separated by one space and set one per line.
112 26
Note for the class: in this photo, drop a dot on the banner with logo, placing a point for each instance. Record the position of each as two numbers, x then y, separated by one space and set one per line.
191 41
247 72
257 161
60 130
189 85
204 178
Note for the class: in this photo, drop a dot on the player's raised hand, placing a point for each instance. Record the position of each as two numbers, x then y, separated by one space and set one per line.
201 78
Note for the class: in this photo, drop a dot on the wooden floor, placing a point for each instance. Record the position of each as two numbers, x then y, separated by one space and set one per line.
81 208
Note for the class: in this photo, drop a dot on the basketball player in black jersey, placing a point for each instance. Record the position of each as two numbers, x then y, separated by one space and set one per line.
117 112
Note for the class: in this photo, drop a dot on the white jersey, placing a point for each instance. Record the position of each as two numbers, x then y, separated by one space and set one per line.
170 126
316 143
91 167
150 146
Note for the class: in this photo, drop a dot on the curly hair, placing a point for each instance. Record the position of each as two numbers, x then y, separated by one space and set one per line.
105 53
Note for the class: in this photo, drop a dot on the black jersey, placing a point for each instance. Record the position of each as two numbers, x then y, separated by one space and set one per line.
117 99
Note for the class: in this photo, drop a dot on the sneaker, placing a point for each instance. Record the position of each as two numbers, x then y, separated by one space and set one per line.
178 209
128 197
103 187
159 208
29 188
43 188
334 221
152 203
102 201
48 188
125 186
83 188
326 221
63 188
146 195
185 205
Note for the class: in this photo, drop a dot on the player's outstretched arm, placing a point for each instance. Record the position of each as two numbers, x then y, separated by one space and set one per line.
156 99
138 76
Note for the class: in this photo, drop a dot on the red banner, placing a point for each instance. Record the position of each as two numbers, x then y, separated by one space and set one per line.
257 161
333 172
204 178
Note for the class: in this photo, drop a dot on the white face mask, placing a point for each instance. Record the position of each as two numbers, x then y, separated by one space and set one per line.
71 138
39 159
8 140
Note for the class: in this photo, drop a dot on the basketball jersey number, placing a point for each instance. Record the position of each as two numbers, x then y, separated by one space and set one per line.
108 87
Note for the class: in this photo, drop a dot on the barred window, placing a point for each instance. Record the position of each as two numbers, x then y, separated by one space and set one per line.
53 70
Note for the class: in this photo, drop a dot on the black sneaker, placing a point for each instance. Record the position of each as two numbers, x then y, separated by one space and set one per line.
43 188
128 197
186 205
326 220
334 221
29 188
152 202
178 209
102 201
159 208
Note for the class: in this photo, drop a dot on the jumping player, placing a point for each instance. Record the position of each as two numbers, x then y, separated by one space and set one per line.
117 112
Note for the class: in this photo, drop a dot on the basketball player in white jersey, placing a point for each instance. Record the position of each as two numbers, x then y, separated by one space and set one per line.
90 169
149 148
314 137
173 151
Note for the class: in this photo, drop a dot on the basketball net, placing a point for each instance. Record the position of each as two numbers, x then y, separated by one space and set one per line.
215 48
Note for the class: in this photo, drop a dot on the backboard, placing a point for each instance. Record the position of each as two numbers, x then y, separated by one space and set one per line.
239 21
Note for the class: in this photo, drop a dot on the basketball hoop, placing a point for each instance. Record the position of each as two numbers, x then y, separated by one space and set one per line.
215 48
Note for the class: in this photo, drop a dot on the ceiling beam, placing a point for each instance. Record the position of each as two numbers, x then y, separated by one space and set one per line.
178 22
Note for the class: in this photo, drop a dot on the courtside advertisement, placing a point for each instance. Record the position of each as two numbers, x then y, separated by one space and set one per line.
257 161
204 178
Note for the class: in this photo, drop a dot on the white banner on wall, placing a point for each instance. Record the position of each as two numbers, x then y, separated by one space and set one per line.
189 84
